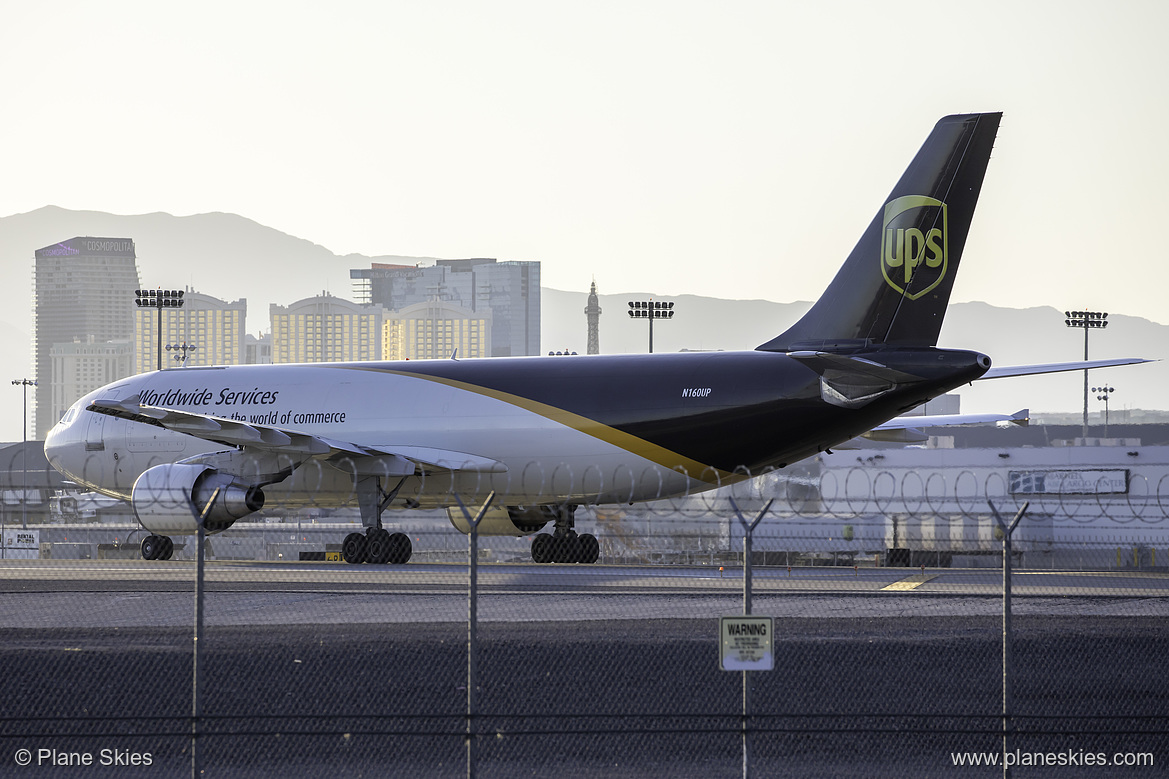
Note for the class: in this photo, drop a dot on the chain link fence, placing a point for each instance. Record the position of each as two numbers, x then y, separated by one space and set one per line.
894 648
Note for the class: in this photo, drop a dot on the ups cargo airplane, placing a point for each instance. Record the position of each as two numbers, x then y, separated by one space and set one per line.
548 434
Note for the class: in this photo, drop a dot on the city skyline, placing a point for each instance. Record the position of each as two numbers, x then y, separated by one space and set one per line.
216 254
81 309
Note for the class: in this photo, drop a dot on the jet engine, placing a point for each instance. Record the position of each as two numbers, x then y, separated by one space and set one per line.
504 520
169 499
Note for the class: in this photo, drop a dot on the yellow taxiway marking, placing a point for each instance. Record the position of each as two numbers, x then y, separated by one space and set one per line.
912 583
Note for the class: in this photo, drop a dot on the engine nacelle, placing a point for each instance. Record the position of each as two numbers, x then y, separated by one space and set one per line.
505 520
168 499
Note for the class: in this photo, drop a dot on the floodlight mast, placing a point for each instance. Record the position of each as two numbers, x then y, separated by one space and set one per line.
186 350
1105 393
1086 320
651 310
160 299
25 383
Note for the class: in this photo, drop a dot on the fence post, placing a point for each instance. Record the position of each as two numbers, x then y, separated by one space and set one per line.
1007 531
196 703
472 628
748 532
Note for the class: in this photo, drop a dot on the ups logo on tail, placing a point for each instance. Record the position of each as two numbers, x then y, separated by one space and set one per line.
913 244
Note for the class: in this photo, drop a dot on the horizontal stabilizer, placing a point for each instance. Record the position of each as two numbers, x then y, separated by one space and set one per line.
1057 367
818 361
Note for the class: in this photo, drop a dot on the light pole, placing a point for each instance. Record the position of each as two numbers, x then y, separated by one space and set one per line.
1104 393
185 348
651 310
160 299
1087 320
26 383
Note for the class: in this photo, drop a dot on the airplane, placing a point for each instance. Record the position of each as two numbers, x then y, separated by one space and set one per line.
545 435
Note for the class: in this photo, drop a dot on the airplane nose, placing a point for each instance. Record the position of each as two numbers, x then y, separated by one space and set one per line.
53 444
61 447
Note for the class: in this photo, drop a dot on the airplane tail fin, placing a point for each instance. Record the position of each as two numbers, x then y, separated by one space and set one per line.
895 285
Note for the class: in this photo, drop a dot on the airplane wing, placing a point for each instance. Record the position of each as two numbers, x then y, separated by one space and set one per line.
908 429
1056 367
274 440
1020 418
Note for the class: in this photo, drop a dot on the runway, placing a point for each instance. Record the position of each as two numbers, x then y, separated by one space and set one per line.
131 593
98 575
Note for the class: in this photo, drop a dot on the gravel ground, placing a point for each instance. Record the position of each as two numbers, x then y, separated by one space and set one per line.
850 696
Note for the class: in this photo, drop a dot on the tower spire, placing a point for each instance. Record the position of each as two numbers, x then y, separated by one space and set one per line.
593 313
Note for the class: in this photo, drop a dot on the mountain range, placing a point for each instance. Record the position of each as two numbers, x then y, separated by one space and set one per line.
231 257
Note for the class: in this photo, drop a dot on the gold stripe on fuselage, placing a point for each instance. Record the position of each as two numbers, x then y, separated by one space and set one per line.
610 435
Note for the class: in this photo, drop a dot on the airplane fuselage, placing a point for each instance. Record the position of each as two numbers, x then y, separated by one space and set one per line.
584 429
532 438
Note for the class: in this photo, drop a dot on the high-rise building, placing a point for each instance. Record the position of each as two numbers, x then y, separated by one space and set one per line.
83 288
326 329
258 349
434 330
405 285
512 291
214 327
593 316
509 290
83 366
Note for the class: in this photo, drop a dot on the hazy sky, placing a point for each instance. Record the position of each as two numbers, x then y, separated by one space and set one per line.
734 149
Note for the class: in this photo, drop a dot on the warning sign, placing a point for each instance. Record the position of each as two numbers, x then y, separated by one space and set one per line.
745 643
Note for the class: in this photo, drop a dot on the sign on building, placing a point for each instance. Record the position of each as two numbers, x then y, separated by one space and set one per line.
1069 482
21 544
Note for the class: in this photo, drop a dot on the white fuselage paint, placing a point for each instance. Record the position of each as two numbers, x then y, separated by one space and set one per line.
545 460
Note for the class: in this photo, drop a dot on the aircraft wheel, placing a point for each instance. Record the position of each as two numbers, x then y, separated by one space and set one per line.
168 548
353 549
377 546
400 548
542 548
566 548
151 547
590 549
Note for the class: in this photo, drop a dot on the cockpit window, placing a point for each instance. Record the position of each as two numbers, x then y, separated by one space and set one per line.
73 412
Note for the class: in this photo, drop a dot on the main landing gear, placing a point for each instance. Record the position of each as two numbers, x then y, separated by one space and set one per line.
563 545
567 548
376 545
157 548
